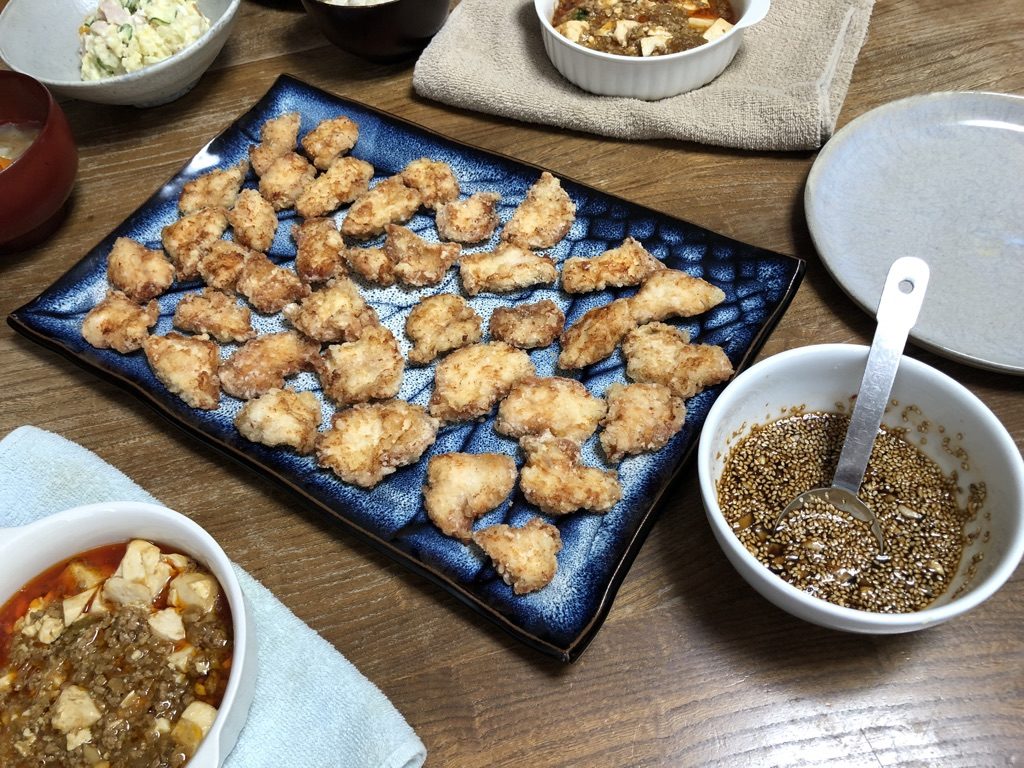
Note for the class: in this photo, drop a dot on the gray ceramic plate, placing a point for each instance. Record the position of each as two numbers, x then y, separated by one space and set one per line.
940 176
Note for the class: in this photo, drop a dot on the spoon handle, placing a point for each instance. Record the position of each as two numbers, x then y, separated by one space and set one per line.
897 312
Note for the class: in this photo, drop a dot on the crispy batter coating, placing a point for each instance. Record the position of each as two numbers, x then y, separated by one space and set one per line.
418 262
285 180
554 479
507 268
214 313
221 266
277 138
525 558
390 202
543 218
374 265
119 323
433 179
190 238
281 417
439 324
319 250
330 140
138 272
187 365
261 364
462 487
369 368
336 312
216 189
470 220
629 264
671 293
253 220
528 326
268 287
367 442
343 182
596 334
470 381
641 417
562 407
660 353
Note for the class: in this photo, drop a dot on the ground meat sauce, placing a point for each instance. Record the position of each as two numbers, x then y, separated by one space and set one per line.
643 27
115 658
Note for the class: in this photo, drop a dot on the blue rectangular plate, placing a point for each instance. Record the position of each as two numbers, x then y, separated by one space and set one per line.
561 619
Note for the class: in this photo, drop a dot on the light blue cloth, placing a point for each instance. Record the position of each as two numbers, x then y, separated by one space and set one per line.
312 708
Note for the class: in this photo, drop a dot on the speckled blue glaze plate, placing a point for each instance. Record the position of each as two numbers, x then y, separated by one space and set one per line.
562 618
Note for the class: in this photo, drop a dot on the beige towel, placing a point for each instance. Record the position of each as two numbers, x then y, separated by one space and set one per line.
783 90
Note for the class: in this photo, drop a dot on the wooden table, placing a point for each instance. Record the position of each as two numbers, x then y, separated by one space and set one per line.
692 667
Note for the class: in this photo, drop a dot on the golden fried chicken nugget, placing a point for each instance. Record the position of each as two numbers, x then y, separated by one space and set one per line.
641 418
374 265
462 487
261 364
253 220
439 324
470 381
433 179
369 441
629 264
216 314
336 312
543 218
216 189
138 272
119 323
330 140
277 138
555 480
528 326
221 266
187 365
284 182
596 334
470 220
369 368
525 558
559 406
281 417
389 202
671 293
268 287
190 238
319 250
660 353
343 182
418 262
507 268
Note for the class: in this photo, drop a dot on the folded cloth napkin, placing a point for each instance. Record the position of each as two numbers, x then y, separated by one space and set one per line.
312 708
783 91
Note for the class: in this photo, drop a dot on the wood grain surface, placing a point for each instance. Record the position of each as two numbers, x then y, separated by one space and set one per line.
692 667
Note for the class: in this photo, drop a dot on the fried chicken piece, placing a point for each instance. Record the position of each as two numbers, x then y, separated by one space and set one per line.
554 479
527 326
336 312
277 138
190 238
470 381
433 179
629 264
319 250
343 182
470 220
543 218
119 323
216 189
268 287
641 417
439 324
284 182
418 262
596 334
525 558
214 313
462 487
374 265
507 268
367 442
330 140
369 368
261 364
253 220
660 353
187 365
138 272
390 202
562 407
671 293
221 266
281 417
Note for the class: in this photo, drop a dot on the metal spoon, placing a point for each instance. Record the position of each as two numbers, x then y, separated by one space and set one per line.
897 312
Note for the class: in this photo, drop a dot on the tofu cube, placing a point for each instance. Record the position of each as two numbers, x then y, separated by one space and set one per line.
193 725
716 30
124 592
74 606
74 710
50 628
194 593
167 625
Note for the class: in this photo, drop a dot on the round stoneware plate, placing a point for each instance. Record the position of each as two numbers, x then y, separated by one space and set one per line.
940 176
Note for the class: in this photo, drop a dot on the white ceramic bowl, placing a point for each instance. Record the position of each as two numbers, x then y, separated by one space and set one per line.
29 550
655 77
818 377
40 38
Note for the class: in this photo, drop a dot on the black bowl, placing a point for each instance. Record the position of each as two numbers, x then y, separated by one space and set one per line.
385 32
